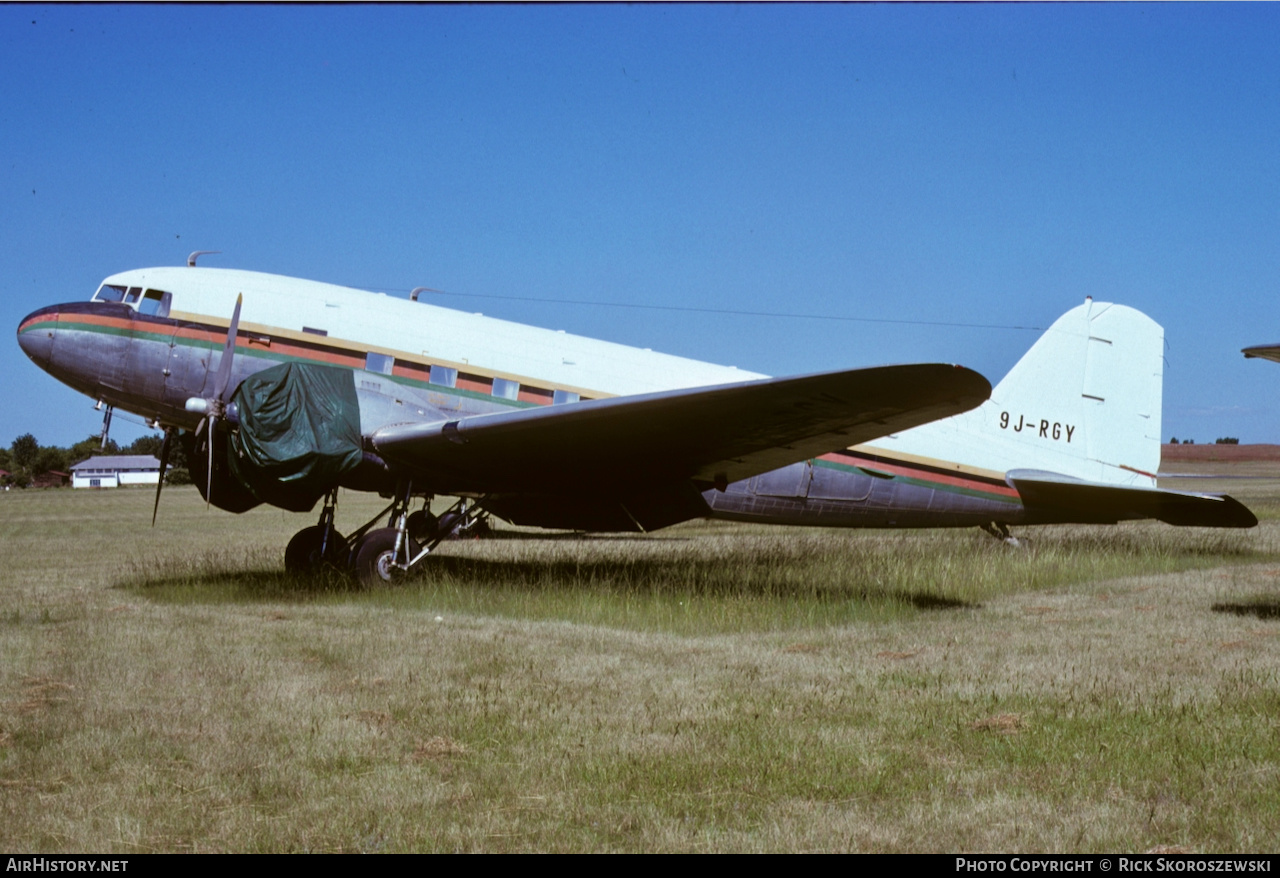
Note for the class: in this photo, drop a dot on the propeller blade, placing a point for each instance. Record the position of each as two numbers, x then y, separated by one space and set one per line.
208 490
220 397
228 351
164 462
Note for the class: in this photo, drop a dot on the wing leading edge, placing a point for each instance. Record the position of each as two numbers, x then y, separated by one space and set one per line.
712 435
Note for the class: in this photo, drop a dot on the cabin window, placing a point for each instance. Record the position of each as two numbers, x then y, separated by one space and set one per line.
109 293
504 388
444 376
315 331
379 363
563 396
155 303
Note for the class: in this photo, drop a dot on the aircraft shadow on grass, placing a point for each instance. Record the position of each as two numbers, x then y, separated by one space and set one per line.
1262 608
632 578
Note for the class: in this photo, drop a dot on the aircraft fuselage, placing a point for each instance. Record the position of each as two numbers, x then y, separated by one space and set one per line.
418 362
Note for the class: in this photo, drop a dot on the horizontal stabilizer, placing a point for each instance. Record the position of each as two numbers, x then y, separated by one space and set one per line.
1058 497
716 434
1263 352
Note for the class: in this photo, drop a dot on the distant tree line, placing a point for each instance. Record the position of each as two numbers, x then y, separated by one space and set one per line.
1225 440
26 458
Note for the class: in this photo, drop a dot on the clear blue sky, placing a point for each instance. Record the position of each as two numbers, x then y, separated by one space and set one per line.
982 164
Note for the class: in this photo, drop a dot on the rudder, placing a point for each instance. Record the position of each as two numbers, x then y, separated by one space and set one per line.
1084 401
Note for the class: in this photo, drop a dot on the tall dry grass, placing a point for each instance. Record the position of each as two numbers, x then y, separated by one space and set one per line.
705 688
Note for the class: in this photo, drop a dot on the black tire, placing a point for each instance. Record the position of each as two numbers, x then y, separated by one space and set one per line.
422 526
451 522
375 556
302 556
446 524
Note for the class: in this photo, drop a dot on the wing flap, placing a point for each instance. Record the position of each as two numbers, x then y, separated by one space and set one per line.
712 434
1106 504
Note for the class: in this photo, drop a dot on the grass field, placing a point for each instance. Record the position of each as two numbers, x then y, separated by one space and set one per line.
706 688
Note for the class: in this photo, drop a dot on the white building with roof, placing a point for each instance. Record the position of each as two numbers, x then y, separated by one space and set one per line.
116 471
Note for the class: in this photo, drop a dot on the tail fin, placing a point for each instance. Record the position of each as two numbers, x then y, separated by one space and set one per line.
1084 402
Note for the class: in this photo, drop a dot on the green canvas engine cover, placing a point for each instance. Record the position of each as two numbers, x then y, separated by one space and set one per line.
299 433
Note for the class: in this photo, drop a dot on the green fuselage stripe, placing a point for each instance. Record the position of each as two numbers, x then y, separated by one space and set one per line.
242 350
923 481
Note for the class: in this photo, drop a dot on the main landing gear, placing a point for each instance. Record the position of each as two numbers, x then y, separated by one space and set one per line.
380 555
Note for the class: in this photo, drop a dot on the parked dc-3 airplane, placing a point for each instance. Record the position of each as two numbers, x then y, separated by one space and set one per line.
321 386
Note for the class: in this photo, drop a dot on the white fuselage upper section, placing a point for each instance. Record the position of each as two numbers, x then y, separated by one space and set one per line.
391 325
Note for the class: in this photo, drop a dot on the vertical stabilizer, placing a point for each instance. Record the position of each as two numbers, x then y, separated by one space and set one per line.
1084 402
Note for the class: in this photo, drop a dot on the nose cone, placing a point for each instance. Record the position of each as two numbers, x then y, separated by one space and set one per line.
35 335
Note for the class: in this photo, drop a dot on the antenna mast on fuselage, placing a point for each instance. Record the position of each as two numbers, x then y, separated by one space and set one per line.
196 254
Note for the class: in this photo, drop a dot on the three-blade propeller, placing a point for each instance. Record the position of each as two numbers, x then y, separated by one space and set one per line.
212 408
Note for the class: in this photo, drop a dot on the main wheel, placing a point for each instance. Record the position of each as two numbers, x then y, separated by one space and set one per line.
455 526
422 526
375 557
447 523
303 556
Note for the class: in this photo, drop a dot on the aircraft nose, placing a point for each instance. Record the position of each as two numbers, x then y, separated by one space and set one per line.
35 336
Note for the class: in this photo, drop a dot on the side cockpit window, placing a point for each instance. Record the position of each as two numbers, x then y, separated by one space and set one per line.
153 302
156 303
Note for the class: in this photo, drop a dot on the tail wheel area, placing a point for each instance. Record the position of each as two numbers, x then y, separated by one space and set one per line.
1000 531
375 561
308 552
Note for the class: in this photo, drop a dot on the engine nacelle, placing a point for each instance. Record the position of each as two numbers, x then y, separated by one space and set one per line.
294 432
228 492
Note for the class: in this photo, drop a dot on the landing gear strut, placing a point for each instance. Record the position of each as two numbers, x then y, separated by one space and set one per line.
1000 531
382 555
378 556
